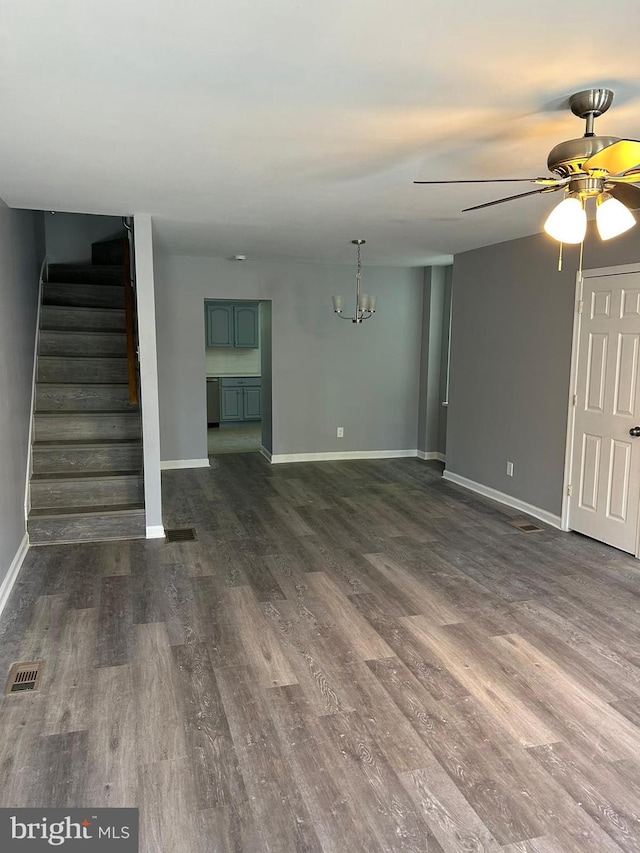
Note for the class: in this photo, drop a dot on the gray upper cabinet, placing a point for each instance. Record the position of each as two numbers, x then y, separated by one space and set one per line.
232 324
219 321
245 326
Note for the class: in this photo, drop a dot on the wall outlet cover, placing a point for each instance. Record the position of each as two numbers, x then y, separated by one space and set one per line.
509 469
340 432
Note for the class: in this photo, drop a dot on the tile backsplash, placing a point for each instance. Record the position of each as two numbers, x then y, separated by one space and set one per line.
232 362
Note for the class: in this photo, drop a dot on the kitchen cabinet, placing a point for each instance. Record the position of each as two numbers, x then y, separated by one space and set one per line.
232 324
240 398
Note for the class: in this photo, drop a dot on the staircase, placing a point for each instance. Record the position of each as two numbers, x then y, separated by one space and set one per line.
86 483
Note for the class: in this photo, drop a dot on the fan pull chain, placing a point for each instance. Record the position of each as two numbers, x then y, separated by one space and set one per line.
580 264
560 258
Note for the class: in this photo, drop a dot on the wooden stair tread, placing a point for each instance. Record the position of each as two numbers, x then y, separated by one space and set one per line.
81 332
91 412
86 357
60 477
87 445
81 511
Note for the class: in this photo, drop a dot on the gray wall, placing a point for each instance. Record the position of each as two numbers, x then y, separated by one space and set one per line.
69 235
326 372
429 404
511 358
266 375
444 360
20 254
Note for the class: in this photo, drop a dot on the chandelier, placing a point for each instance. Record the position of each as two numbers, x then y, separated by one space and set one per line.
365 306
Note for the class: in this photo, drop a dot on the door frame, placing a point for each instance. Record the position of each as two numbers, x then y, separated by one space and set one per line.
622 269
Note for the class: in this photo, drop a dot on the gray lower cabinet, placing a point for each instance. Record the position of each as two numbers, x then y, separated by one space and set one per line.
240 399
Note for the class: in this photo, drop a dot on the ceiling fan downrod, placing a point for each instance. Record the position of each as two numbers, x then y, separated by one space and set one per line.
589 104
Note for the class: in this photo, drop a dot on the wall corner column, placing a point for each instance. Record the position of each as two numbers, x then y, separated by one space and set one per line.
146 310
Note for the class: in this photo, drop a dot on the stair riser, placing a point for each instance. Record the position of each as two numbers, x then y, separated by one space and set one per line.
70 460
88 275
112 491
86 427
82 343
79 319
83 295
82 397
54 369
93 528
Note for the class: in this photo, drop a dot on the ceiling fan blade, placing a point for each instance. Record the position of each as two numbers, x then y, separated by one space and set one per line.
632 177
617 158
490 181
511 198
627 194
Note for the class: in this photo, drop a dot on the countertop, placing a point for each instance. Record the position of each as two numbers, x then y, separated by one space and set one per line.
234 376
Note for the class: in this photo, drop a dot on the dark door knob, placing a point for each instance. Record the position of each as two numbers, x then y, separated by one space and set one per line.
635 431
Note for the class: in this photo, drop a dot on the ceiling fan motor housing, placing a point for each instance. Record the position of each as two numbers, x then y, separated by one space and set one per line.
567 158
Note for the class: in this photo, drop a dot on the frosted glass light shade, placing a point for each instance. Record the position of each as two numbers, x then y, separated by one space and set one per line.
337 304
363 302
612 217
372 304
567 222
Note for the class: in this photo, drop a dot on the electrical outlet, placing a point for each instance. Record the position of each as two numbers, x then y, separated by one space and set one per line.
509 469
340 432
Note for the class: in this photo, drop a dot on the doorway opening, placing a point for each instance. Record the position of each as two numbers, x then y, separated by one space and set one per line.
238 376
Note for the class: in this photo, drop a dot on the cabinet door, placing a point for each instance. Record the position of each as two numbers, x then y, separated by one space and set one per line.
231 404
245 326
252 404
219 325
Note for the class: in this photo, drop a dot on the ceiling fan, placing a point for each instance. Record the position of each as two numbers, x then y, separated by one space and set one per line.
601 167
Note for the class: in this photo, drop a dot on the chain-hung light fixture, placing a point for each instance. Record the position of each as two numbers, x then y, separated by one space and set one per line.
365 305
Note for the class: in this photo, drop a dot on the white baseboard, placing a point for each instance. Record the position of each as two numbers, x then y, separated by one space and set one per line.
172 464
335 457
501 497
12 574
266 453
430 455
155 531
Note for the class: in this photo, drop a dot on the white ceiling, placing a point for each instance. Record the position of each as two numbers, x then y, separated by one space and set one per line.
285 128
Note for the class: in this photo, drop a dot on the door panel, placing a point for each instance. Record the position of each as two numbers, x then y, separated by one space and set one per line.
618 487
590 470
626 375
606 461
596 368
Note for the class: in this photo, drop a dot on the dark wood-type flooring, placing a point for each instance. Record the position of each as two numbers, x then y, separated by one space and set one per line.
352 656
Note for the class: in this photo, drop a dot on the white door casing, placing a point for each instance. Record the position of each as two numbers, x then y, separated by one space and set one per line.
605 459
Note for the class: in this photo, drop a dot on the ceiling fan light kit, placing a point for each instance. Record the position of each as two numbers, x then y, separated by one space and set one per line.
612 217
567 222
365 304
601 167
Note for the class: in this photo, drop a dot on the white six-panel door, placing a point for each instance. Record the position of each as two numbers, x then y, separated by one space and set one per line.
605 471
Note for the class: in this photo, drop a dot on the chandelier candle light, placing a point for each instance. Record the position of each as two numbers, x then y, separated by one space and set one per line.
365 305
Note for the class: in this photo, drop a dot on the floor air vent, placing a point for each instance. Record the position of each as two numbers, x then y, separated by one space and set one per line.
185 534
25 677
526 526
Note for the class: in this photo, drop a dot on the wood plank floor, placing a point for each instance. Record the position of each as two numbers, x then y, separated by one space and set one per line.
353 656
